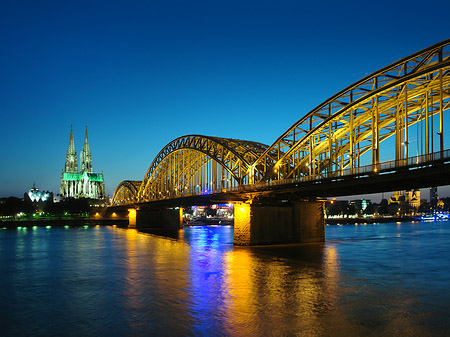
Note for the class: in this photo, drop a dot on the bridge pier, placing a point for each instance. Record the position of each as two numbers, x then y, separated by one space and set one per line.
296 222
155 218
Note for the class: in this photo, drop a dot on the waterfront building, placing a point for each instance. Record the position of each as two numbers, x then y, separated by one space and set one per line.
409 199
35 200
84 183
36 196
360 204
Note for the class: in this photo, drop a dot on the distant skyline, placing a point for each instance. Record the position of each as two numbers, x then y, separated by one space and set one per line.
139 74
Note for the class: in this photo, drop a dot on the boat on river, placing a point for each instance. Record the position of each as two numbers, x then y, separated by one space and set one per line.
435 217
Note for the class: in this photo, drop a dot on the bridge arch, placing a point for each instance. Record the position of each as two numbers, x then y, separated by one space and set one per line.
196 164
126 192
398 111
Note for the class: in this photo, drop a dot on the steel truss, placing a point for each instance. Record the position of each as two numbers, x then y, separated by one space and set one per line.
405 101
395 115
126 192
197 164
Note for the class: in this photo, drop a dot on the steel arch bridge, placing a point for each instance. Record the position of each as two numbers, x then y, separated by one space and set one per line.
197 164
392 117
126 192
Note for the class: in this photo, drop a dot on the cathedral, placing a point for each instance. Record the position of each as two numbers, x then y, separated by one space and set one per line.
84 183
408 198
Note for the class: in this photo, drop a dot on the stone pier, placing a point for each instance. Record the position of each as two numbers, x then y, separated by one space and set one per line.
155 218
294 222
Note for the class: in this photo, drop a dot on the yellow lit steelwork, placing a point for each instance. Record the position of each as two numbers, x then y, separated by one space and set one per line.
391 118
199 165
126 192
401 106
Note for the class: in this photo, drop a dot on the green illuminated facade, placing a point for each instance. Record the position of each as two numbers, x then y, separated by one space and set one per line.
84 183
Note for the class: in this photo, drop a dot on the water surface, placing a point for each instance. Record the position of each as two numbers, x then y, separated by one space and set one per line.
380 279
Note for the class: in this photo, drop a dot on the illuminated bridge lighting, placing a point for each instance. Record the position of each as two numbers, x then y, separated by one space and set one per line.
396 114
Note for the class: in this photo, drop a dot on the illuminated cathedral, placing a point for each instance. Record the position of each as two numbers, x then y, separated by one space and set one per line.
84 183
407 198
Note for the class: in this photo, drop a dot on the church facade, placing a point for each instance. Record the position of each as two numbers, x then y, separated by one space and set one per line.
83 183
407 198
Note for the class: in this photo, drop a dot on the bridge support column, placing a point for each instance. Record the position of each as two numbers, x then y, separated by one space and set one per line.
132 218
158 218
295 222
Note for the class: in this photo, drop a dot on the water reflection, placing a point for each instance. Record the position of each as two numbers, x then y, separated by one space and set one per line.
251 289
273 287
384 279
234 290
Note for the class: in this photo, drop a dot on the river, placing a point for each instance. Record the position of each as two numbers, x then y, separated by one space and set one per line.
388 279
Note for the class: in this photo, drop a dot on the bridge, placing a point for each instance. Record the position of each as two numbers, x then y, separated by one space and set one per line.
387 131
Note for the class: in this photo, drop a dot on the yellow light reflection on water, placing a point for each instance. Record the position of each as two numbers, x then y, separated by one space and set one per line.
240 297
254 283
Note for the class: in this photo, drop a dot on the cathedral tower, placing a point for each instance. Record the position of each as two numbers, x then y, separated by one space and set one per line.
86 156
71 156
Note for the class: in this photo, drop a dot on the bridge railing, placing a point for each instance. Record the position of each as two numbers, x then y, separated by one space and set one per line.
380 168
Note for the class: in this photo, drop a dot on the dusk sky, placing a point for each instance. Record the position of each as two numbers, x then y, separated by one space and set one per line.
139 74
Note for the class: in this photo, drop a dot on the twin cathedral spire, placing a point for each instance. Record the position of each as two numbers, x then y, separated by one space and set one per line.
71 156
84 183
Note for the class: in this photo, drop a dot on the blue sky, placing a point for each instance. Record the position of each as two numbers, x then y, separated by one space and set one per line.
142 73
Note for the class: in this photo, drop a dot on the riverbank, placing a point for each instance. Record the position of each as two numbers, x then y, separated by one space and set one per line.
62 222
352 221
197 222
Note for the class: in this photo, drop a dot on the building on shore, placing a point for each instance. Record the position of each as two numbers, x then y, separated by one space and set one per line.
405 199
360 205
83 183
38 196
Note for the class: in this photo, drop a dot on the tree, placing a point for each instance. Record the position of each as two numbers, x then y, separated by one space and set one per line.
350 210
335 208
383 208
370 209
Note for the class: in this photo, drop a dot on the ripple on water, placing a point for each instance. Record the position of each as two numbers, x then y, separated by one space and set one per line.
387 279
